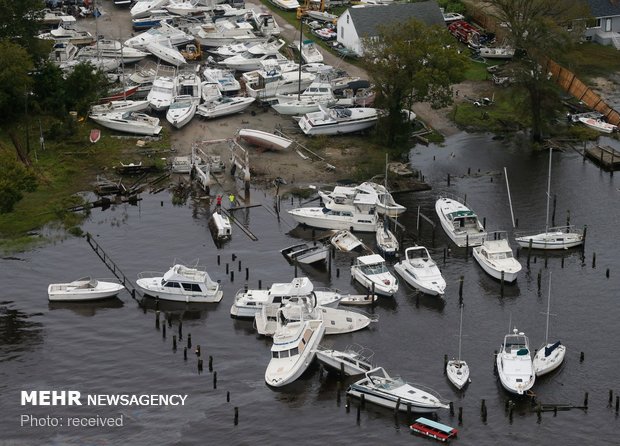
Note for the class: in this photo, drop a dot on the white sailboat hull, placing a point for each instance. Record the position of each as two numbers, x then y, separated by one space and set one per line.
551 240
544 365
458 373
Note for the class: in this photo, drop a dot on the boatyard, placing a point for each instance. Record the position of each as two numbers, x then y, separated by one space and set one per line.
286 285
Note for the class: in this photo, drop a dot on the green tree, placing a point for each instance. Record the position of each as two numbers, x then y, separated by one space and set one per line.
410 62
15 83
539 30
84 86
20 22
50 89
15 179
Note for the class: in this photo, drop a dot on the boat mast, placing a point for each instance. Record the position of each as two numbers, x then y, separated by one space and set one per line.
548 190
548 307
512 215
301 24
460 333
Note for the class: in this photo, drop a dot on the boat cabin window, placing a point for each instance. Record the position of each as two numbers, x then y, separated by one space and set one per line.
172 284
191 287
377 268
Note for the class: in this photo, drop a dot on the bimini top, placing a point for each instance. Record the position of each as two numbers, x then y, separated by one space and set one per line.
372 259
181 272
300 286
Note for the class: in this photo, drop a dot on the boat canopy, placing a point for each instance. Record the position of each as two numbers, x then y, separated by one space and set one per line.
461 214
372 259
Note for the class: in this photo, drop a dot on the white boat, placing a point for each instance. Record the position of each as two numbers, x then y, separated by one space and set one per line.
142 79
358 218
385 202
319 93
221 226
372 273
305 253
225 79
250 62
224 32
154 18
599 125
450 17
165 51
181 111
143 8
223 106
550 355
129 122
335 121
264 139
496 52
163 32
514 363
496 259
120 105
354 360
553 238
82 289
265 23
162 92
113 49
272 80
209 91
232 49
287 5
387 243
180 283
345 241
336 320
321 16
50 17
186 7
189 83
248 302
420 271
380 388
460 222
293 350
67 32
310 53
457 369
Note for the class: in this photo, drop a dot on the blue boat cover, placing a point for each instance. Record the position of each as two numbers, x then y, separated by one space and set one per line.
435 425
551 348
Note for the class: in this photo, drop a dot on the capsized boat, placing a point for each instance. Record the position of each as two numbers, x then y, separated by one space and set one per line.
293 349
180 283
496 259
335 121
345 241
514 363
421 272
372 273
460 222
83 289
380 388
221 224
143 8
305 253
248 302
265 140
166 52
353 360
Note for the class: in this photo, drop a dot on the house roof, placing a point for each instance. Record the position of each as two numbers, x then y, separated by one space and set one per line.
367 19
604 8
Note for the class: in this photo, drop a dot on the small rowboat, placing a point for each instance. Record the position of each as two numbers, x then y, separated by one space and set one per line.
433 429
264 139
95 134
358 299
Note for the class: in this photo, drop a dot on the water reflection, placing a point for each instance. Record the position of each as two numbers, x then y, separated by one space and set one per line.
88 309
18 333
177 310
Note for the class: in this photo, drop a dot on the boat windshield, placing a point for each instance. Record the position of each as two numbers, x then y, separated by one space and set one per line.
377 268
500 255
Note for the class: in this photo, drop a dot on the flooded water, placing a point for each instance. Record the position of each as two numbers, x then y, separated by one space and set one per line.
114 346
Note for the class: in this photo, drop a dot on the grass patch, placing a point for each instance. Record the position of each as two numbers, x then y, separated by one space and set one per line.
68 165
589 60
476 71
498 117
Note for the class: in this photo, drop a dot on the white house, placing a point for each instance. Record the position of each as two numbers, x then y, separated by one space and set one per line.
604 28
360 21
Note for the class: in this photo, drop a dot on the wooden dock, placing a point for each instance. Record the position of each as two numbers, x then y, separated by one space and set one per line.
606 157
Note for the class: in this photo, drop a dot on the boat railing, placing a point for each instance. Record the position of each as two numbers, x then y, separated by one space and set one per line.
150 274
451 196
363 352
566 229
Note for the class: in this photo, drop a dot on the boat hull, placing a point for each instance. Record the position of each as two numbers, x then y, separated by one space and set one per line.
544 365
63 293
461 238
223 110
458 373
151 287
551 240
316 218
388 401
264 139
336 128
510 272
433 287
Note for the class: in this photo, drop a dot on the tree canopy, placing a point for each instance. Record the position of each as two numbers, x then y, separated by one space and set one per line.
538 30
20 22
15 179
411 62
15 83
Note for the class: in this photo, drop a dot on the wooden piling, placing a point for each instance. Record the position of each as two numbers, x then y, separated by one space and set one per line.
466 246
363 401
228 396
227 268
232 276
157 319
501 287
260 284
529 252
359 414
215 380
239 267
197 351
611 396
593 260
451 409
247 273
174 343
555 197
607 273
218 259
185 353
236 420
445 363
199 365
461 279
163 331
585 400
337 272
539 279
347 404
189 340
617 403
460 415
180 330
210 363
581 357
562 262
448 180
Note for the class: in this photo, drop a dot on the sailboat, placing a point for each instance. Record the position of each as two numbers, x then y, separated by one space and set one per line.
549 356
386 240
553 238
457 369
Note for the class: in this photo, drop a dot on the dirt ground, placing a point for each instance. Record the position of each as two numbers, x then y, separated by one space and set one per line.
265 165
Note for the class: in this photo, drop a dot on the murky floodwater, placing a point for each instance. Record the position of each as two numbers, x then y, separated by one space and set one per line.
114 346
